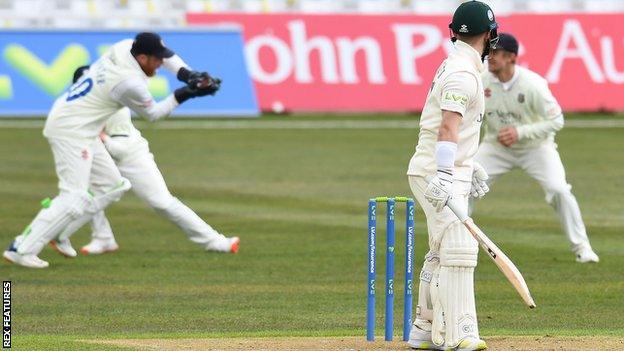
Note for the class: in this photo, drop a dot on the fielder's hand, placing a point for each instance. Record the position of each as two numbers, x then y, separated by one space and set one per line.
195 77
439 190
210 86
200 83
203 82
479 186
188 92
508 136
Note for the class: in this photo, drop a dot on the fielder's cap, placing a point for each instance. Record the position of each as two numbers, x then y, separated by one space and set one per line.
79 72
472 18
149 43
507 42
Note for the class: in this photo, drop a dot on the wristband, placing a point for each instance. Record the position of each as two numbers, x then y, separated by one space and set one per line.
445 158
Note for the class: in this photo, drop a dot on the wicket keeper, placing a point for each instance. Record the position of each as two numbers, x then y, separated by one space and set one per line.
131 153
88 178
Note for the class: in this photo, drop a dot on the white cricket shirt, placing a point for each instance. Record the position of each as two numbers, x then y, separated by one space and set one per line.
113 81
524 102
456 87
124 141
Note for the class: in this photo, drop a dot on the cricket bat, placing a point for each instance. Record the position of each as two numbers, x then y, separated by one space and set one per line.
500 259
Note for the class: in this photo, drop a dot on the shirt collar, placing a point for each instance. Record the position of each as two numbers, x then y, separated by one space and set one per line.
467 50
135 64
125 59
510 83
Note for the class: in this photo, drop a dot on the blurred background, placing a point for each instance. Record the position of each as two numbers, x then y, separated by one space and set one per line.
282 56
172 13
330 91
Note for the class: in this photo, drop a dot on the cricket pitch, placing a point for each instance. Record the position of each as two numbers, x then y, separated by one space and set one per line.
516 343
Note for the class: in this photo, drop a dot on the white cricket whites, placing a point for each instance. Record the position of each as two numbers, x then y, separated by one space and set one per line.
500 259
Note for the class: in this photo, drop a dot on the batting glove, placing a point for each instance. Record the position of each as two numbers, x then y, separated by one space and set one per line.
439 189
479 186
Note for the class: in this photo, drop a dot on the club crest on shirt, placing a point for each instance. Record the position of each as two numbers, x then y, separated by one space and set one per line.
487 92
520 98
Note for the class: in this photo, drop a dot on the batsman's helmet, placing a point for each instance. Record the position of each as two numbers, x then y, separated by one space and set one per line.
473 18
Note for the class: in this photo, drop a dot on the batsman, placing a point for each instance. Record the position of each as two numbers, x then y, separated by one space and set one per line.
442 168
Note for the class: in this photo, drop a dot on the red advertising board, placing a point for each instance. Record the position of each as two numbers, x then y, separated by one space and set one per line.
385 63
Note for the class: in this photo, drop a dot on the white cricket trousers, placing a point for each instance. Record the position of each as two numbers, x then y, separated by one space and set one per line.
543 164
149 185
88 182
446 302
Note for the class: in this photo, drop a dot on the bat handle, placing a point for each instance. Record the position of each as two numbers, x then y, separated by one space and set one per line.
459 210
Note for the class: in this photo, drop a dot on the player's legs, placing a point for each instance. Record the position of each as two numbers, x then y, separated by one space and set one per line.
102 238
496 160
101 228
102 180
73 161
106 186
106 182
458 259
420 333
544 165
446 311
149 184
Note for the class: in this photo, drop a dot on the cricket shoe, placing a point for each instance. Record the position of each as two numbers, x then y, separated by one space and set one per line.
469 344
224 245
29 260
420 339
586 255
99 246
64 247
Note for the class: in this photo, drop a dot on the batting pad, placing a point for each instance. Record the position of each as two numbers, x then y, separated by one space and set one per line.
424 309
95 204
64 209
101 201
458 258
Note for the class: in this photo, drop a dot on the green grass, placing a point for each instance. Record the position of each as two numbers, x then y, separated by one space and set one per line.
297 199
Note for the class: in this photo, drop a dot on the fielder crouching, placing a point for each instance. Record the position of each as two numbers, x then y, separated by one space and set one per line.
88 178
521 119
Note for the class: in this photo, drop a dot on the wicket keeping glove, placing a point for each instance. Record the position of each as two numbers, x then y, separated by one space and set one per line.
439 189
479 186
199 80
185 93
210 85
187 76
